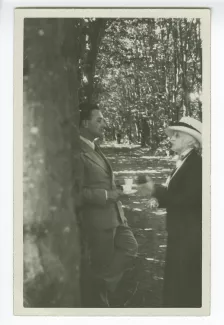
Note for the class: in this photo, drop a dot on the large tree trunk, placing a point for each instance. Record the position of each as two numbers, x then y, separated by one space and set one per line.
51 164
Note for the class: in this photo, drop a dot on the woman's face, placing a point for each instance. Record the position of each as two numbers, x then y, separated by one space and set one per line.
181 141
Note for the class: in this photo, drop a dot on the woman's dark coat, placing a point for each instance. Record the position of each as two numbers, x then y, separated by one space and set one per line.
183 201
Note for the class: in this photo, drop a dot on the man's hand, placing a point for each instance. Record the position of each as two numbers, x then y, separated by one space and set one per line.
113 195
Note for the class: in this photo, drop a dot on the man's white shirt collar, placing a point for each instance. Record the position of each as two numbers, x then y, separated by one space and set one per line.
87 141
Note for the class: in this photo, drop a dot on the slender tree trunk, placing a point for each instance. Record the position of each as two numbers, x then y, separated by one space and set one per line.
145 133
95 34
184 70
176 71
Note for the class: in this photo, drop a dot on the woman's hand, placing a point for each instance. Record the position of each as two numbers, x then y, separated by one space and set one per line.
152 204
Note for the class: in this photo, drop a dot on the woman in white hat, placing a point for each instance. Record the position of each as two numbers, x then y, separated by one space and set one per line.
182 198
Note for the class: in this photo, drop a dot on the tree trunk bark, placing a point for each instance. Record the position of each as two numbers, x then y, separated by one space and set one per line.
51 164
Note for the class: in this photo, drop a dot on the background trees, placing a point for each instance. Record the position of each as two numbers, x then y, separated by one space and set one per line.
148 73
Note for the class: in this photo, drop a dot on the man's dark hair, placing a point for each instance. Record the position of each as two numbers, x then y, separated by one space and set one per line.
85 111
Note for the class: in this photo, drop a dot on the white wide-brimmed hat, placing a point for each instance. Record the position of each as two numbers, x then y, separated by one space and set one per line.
187 125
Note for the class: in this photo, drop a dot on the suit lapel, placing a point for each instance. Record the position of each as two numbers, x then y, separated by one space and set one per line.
105 159
93 156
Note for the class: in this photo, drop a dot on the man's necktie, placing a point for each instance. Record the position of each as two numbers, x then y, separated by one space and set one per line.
97 149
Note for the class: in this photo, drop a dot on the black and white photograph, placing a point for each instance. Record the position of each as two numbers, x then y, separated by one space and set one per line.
112 184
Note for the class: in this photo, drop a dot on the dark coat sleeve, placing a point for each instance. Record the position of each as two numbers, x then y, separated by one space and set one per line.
161 195
188 191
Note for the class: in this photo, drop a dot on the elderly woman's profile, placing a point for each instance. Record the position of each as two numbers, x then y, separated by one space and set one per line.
182 198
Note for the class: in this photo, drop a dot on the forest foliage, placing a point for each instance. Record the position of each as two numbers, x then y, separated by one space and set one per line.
149 73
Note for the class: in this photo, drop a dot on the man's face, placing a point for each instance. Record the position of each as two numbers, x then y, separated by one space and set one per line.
96 124
180 141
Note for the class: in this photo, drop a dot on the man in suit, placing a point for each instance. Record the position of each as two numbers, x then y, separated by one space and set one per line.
182 198
111 242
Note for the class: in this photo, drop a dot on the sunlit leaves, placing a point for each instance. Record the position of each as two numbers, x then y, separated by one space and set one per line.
147 69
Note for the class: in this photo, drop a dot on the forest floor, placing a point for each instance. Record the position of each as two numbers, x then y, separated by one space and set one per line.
142 285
